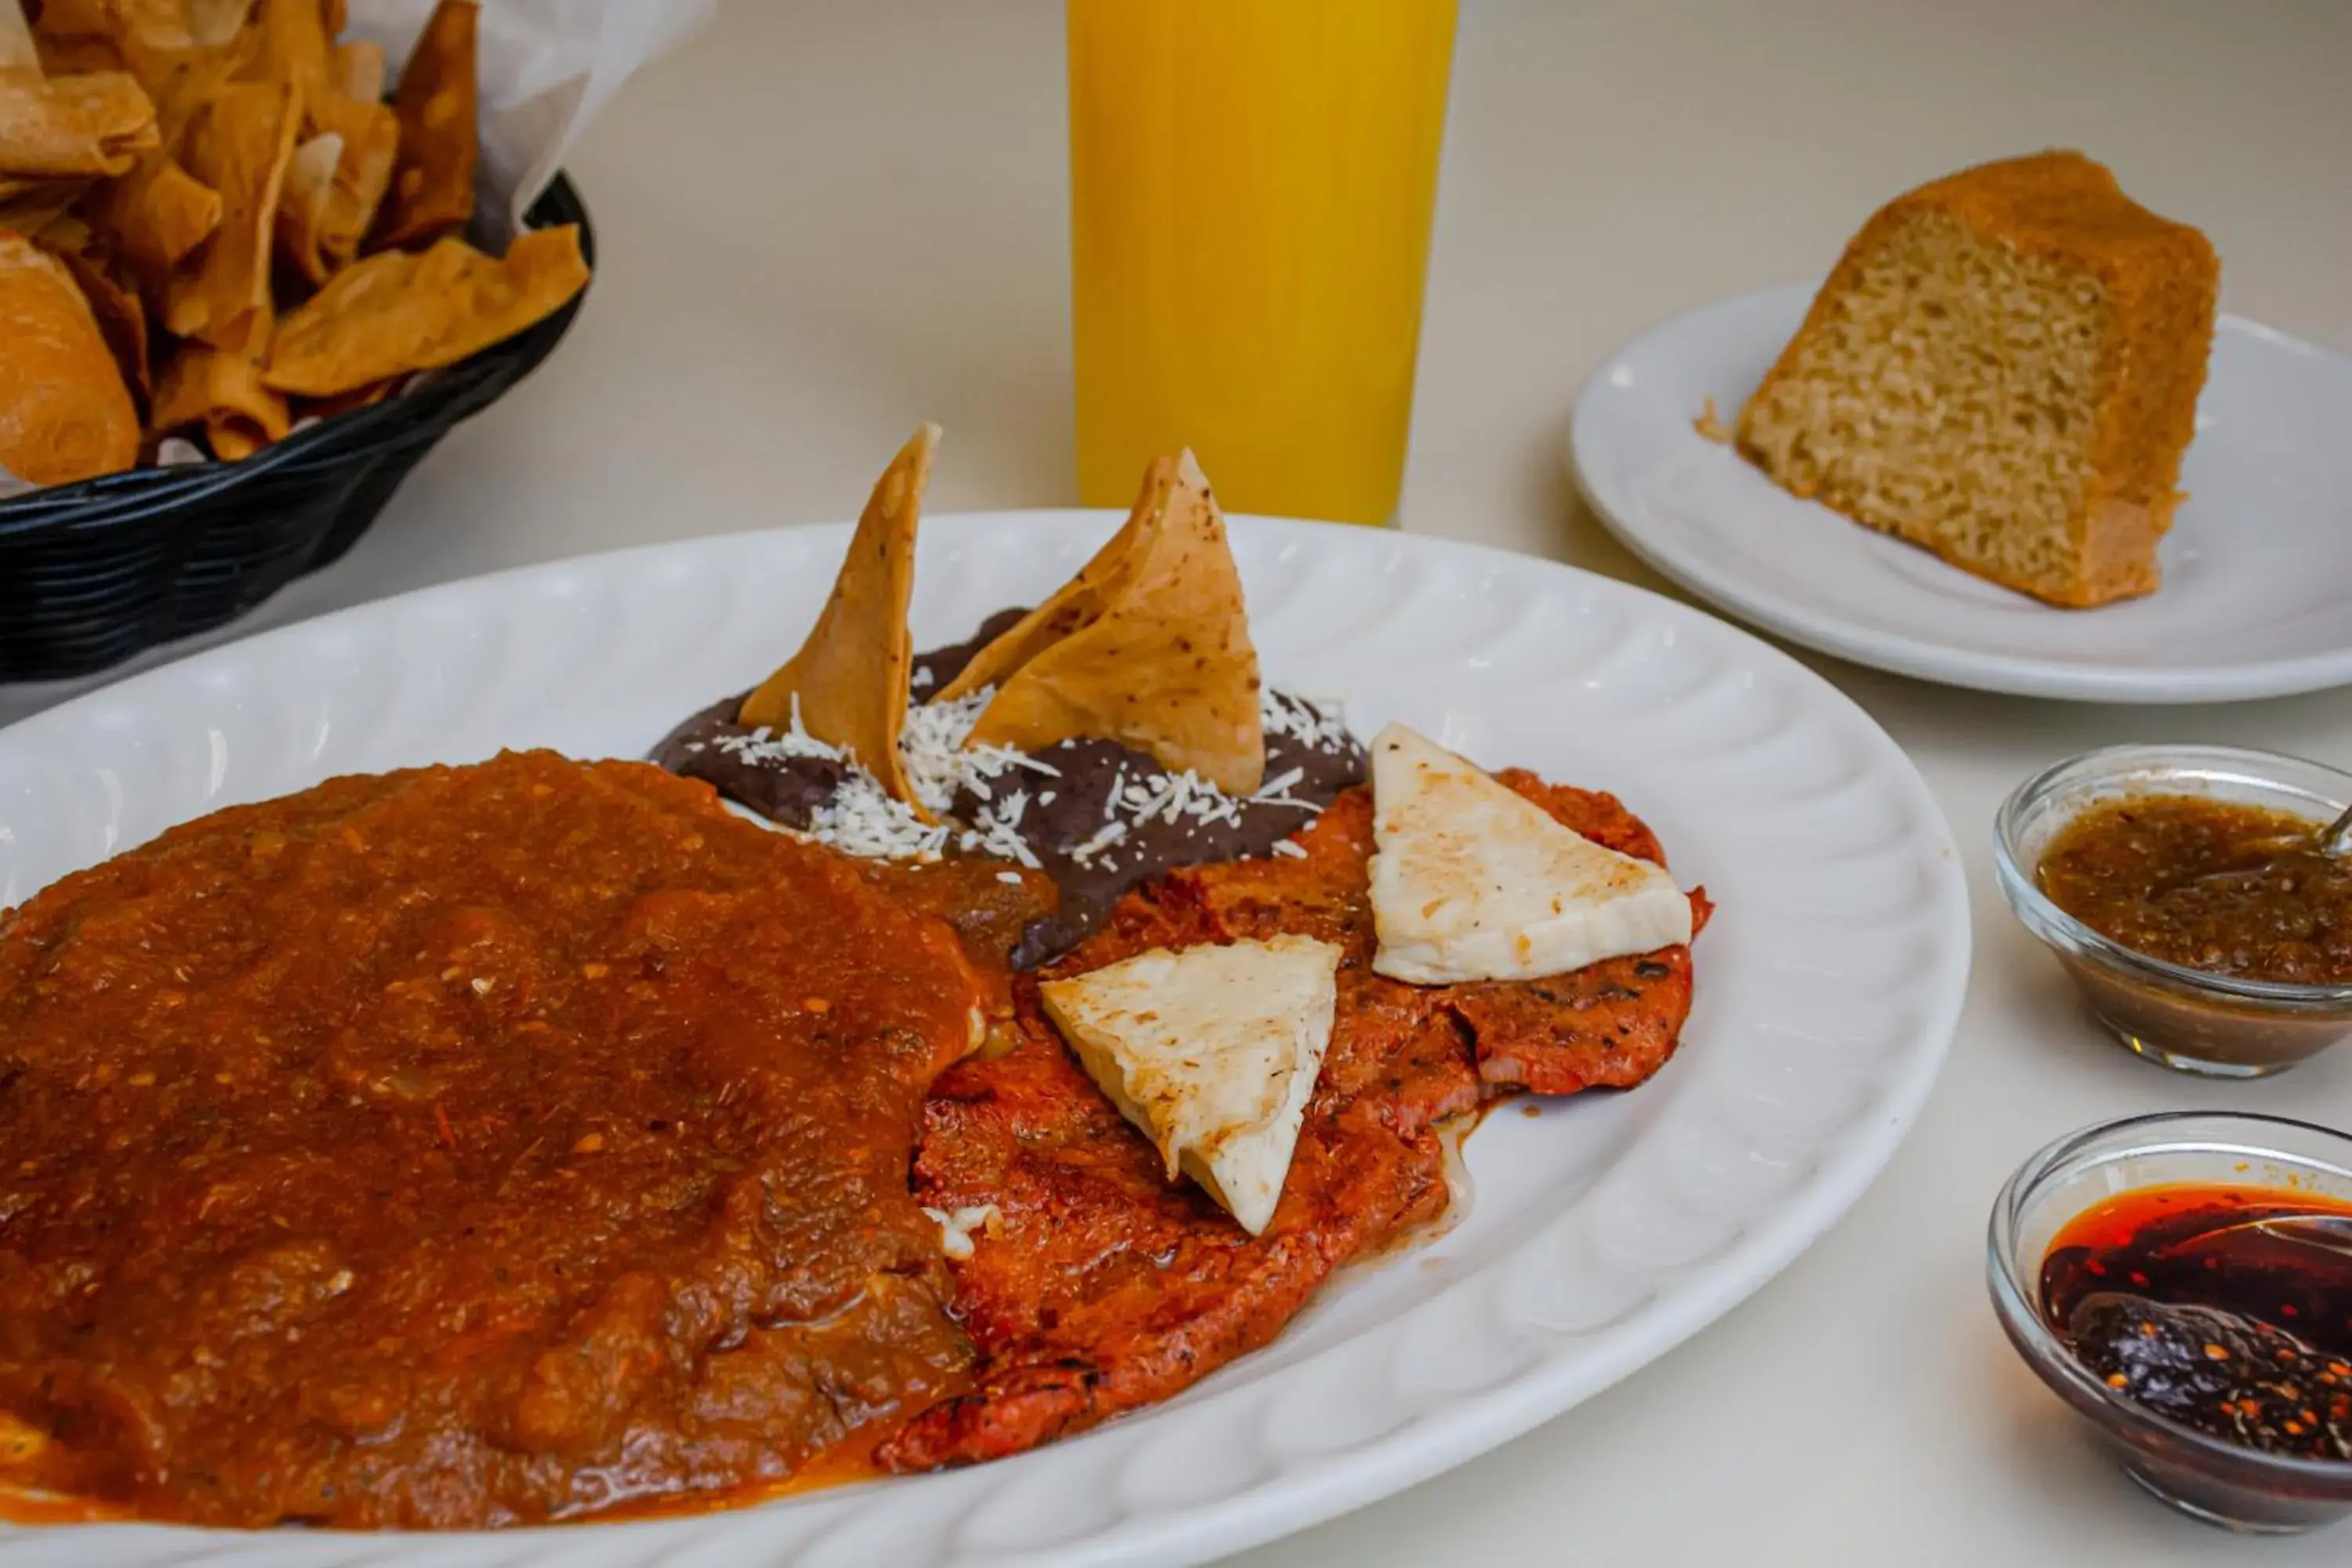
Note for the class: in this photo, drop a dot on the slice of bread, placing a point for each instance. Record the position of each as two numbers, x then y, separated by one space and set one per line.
2003 368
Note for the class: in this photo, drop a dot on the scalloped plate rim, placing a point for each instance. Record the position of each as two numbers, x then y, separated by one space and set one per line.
1847 1158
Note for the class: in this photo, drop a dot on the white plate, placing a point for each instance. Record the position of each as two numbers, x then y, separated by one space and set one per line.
2257 568
1603 1232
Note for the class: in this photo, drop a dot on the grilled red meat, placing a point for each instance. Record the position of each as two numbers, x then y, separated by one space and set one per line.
1102 1287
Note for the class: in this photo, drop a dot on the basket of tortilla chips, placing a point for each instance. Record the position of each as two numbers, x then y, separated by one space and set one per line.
243 289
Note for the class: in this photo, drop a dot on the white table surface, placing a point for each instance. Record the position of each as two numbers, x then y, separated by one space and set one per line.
821 221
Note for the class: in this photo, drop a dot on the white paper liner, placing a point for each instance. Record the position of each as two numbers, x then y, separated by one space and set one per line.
548 68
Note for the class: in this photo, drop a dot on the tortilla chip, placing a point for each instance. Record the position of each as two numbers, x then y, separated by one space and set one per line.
849 684
153 25
220 390
398 311
1078 603
366 396
17 50
356 70
212 23
65 414
240 146
144 38
83 57
113 303
1167 667
33 206
433 188
195 79
233 439
154 215
65 233
60 127
371 133
303 205
293 45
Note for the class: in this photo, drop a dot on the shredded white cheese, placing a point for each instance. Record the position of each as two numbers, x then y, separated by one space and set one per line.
930 746
996 831
1296 718
1110 833
765 746
861 819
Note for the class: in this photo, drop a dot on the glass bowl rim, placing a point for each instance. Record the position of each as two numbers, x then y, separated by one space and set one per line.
2040 1347
2039 915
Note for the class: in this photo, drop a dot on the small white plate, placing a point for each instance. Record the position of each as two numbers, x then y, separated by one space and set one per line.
2257 594
1605 1230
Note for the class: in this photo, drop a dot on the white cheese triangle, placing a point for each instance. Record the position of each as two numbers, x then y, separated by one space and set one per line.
1211 1052
1470 881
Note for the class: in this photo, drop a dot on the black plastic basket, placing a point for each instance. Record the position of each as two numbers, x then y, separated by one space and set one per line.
91 574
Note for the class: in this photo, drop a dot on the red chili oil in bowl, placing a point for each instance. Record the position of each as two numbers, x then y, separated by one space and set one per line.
2182 1281
2227 1309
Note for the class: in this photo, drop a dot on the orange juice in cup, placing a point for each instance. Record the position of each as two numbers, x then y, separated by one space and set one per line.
1251 183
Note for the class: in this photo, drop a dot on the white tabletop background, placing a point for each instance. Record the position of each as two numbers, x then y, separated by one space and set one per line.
821 221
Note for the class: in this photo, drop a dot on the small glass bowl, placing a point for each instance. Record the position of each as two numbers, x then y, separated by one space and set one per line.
2185 1019
2238 1488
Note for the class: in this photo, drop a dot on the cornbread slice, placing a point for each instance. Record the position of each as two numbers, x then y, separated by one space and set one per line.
2003 368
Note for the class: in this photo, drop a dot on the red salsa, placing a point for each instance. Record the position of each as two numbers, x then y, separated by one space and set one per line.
2228 1308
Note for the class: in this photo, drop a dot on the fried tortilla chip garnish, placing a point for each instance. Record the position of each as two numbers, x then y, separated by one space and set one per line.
1167 667
65 414
397 311
849 684
1079 602
222 390
433 189
241 145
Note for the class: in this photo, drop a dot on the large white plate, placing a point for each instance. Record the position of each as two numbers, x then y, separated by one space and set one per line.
1604 1231
2257 568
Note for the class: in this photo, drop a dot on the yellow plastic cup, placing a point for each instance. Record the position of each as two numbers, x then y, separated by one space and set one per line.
1251 187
